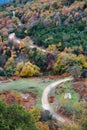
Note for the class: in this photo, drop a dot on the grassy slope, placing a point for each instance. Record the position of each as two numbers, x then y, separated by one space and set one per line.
68 88
73 104
69 104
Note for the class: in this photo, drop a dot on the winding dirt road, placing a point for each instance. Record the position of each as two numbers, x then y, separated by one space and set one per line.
45 102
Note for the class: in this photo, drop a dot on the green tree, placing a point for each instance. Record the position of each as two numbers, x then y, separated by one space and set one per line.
15 117
9 67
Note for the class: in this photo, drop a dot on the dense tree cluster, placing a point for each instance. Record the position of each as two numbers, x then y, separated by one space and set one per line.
67 62
15 117
70 36
44 37
63 31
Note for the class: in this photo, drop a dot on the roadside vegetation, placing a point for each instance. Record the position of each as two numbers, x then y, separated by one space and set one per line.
66 105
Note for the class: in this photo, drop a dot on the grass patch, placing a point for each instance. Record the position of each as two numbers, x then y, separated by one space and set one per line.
68 87
33 85
70 106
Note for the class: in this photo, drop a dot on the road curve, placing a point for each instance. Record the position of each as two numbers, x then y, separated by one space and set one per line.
45 102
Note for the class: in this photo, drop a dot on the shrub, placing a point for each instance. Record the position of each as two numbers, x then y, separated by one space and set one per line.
9 72
1 72
10 64
45 116
19 67
55 6
35 112
42 126
84 73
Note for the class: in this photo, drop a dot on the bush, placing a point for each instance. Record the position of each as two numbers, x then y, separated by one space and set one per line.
84 73
9 72
35 112
55 6
45 116
1 72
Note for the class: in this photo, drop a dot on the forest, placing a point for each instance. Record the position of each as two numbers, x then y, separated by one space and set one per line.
43 65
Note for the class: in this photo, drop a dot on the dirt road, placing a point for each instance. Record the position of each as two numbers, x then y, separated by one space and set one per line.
45 103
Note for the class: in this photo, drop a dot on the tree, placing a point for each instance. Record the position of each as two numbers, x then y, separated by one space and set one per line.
68 62
75 71
83 61
9 67
15 117
3 59
30 70
19 67
10 64
1 71
84 73
38 57
35 114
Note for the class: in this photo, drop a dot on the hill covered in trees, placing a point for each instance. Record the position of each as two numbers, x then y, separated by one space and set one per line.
44 38
58 27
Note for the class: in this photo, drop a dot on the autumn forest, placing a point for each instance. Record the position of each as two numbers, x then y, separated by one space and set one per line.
43 65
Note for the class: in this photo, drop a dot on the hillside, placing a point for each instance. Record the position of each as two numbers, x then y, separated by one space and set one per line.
57 27
42 41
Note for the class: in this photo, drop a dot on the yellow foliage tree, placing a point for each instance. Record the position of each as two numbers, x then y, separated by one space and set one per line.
83 61
52 48
19 67
66 61
35 112
10 64
29 70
